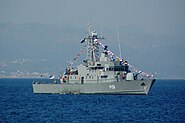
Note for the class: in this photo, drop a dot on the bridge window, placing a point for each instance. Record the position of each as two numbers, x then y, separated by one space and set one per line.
98 64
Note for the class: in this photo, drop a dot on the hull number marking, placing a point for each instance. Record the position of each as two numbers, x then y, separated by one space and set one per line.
112 87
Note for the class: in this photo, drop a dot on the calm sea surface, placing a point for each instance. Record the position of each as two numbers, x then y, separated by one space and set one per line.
165 103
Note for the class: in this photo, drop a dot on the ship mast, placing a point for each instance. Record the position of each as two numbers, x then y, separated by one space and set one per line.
118 41
92 46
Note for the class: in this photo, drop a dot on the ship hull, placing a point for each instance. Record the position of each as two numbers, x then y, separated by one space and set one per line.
125 87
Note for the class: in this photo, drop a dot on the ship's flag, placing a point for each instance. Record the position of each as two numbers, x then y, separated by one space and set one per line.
52 77
83 40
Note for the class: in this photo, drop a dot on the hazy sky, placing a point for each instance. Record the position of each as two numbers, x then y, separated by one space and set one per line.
156 16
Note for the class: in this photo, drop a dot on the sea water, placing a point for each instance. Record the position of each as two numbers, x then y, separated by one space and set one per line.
165 103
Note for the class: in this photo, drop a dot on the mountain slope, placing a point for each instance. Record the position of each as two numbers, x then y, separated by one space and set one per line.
35 47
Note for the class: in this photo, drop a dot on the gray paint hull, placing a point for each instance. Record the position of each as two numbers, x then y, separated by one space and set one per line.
125 87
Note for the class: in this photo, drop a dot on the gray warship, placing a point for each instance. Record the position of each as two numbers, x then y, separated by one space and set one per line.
101 72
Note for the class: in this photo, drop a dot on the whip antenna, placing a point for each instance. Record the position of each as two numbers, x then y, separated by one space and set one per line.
118 41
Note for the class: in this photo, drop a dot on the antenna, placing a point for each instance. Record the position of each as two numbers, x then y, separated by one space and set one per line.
89 28
118 41
101 33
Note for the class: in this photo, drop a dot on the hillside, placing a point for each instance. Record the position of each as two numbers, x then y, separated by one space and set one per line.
32 49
